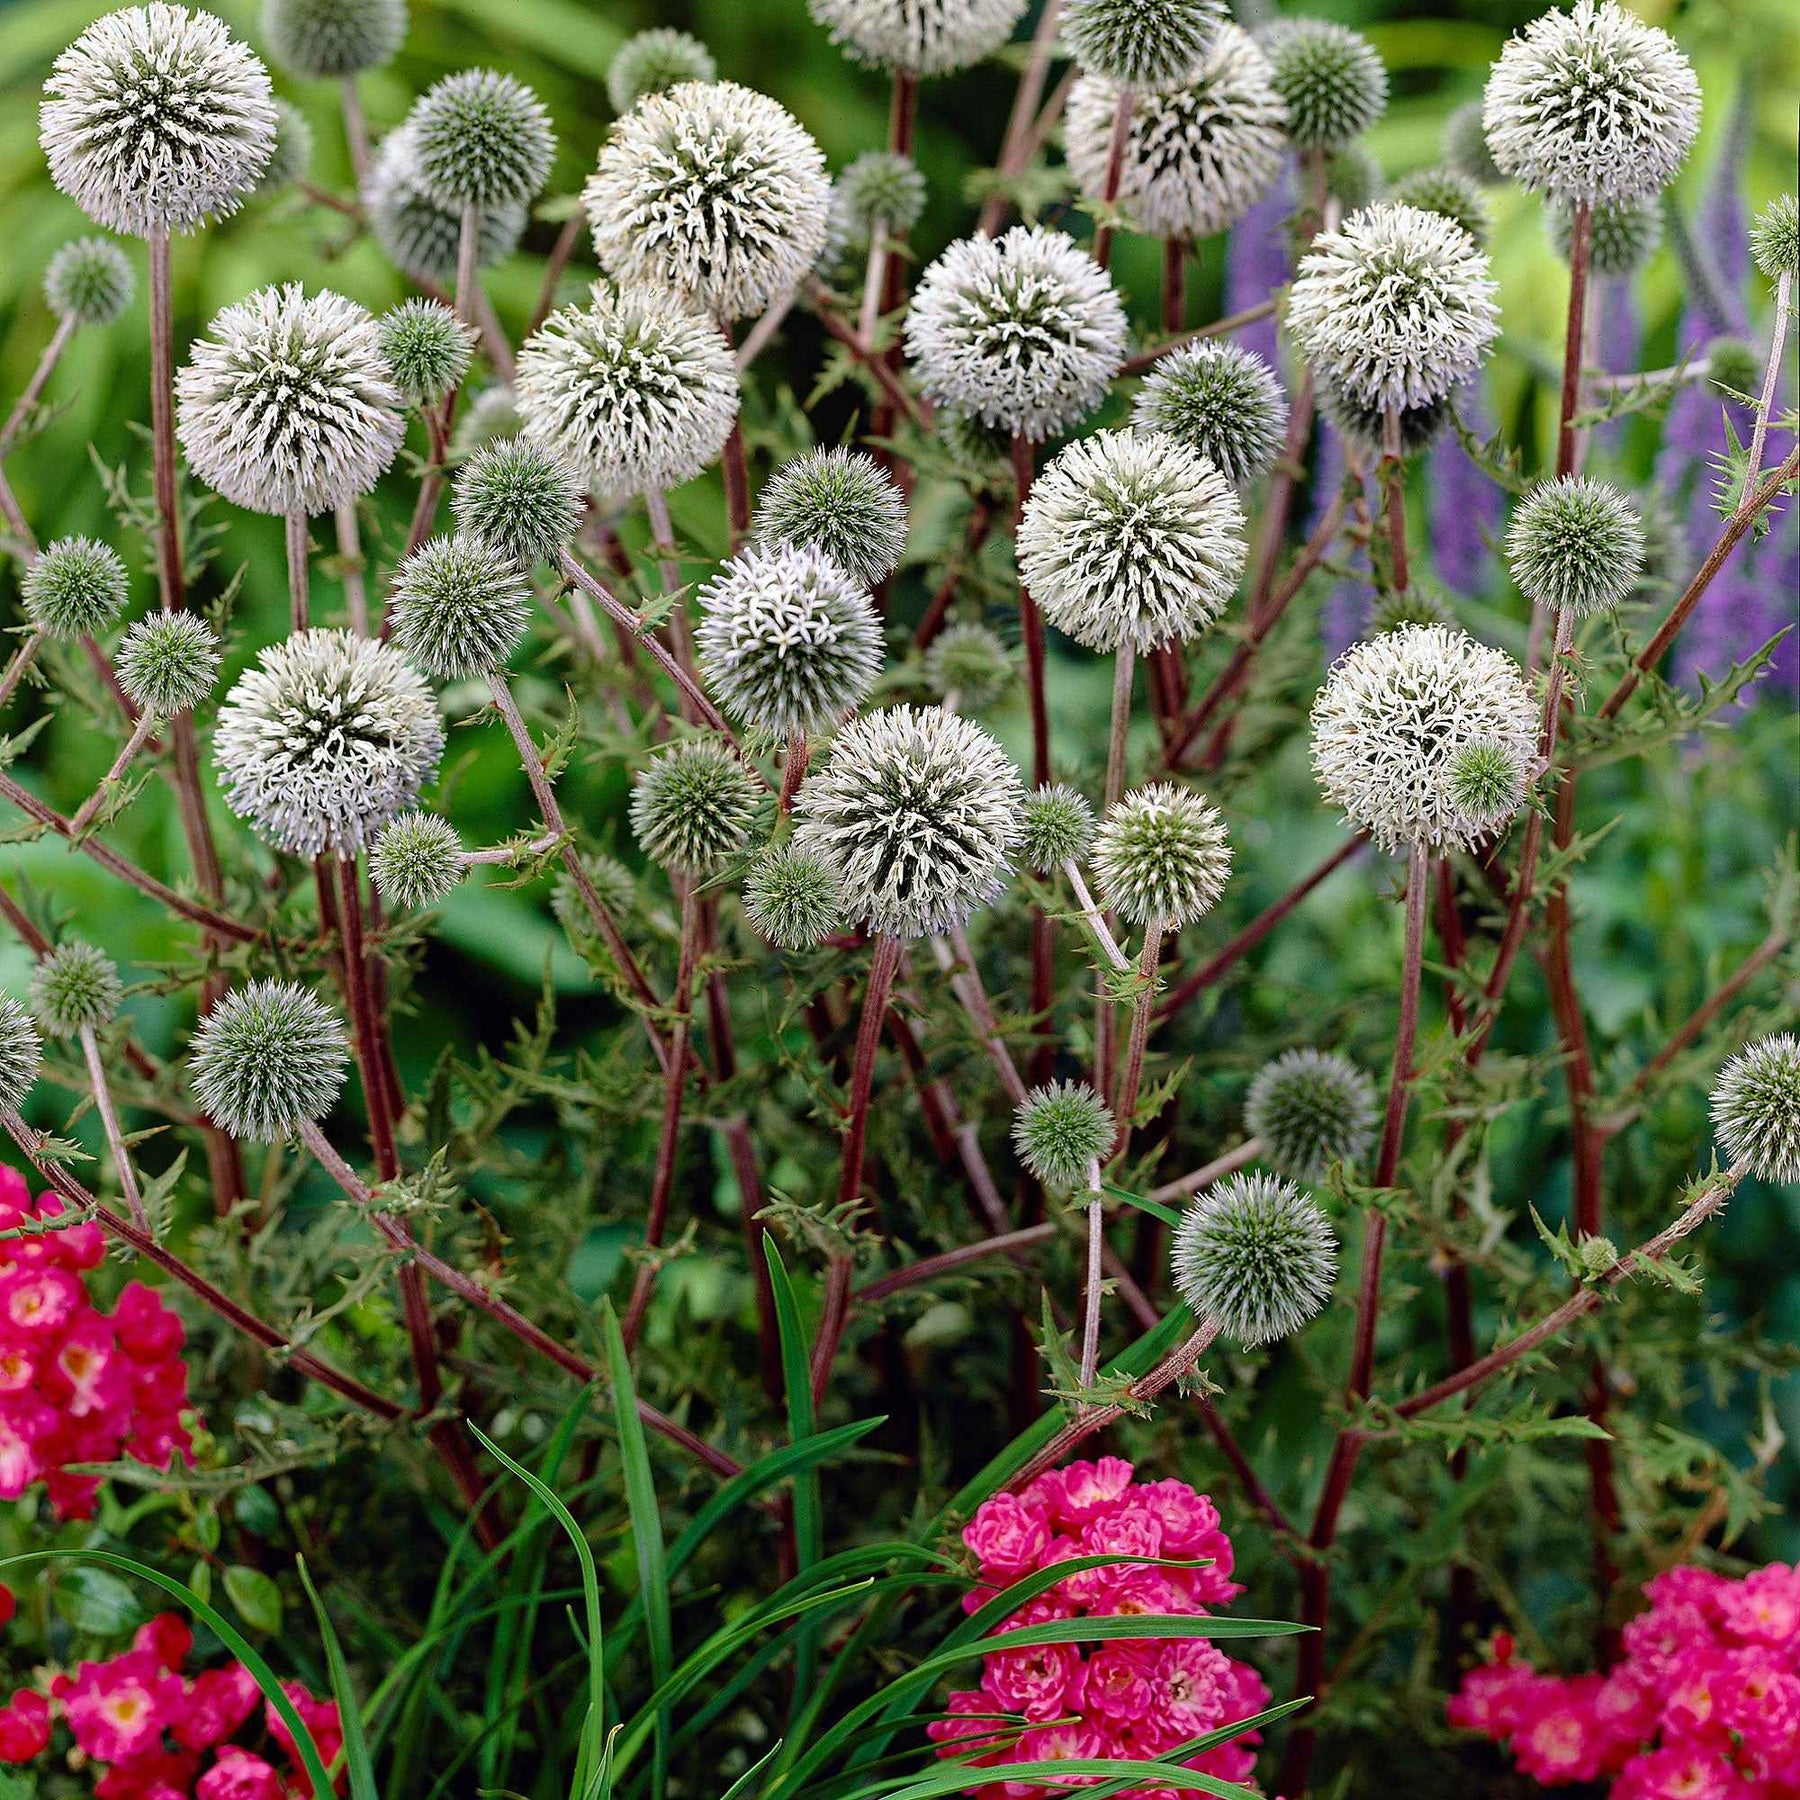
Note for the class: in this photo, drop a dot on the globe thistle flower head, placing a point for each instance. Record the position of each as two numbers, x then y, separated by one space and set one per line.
1392 719
1161 856
289 406
792 899
1365 427
1146 43
880 190
21 1053
75 988
324 740
921 37
518 498
1420 604
1621 238
1257 1255
1575 545
156 119
1397 308
1775 237
417 234
89 281
459 607
1450 193
1487 782
1059 827
840 502
77 587
1353 177
969 662
1332 78
428 349
788 642
1591 105
652 62
1024 331
1310 1109
692 807
481 139
1733 367
417 860
1465 147
320 40
1060 1129
1222 402
168 663
610 879
268 1058
1756 1107
712 193
292 156
632 390
1129 537
916 811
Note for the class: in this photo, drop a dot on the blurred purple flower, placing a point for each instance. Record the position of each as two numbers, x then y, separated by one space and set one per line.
1256 263
1464 505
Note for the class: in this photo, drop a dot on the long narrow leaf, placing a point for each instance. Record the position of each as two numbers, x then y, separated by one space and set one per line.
796 1377
356 1742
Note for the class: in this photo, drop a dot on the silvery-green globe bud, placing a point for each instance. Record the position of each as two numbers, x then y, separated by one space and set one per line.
1394 716
168 663
156 119
652 62
492 413
89 281
459 607
1222 401
792 899
75 988
633 390
1024 331
611 880
76 588
1486 783
417 860
1310 1109
1147 43
1733 366
326 739
1131 538
879 189
1621 238
1575 545
1059 827
1465 146
693 806
712 193
428 349
1756 1107
922 37
1419 605
1162 857
1365 427
840 502
1254 1253
481 138
21 1053
788 642
419 236
1059 1129
916 811
1397 308
1353 177
1449 193
518 498
288 406
1775 237
323 39
269 1057
292 156
1591 105
1332 78
969 661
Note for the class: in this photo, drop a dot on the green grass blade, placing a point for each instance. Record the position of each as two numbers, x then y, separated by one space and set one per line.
356 1743
796 1376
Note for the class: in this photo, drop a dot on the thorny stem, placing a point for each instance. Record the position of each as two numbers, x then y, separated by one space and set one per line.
1032 622
1092 918
298 547
1759 432
870 316
1115 169
1123 661
33 390
21 660
1141 1010
966 984
793 770
1090 1291
109 1121
356 586
1204 1176
84 814
928 1268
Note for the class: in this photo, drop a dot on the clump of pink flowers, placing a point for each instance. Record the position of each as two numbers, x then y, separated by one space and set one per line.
1128 1699
78 1385
1705 1704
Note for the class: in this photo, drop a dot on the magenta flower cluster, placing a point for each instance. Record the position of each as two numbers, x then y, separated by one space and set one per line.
1704 1705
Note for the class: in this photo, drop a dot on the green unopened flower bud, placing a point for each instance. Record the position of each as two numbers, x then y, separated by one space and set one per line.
793 899
652 62
970 662
417 860
1310 1109
428 349
518 498
692 807
1756 1107
1059 827
1333 80
75 588
1449 192
267 1058
458 608
1060 1129
1254 1253
74 988
1575 544
1733 367
1162 856
1775 237
168 663
89 280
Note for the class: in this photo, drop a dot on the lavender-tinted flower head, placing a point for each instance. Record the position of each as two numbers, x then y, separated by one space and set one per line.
1221 401
1332 78
89 281
268 1058
922 37
1147 43
324 39
841 502
417 234
1162 856
482 139
652 62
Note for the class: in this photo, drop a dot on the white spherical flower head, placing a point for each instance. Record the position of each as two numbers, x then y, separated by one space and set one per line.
21 1053
419 236
157 119
289 405
1131 538
1575 545
922 37
1397 308
459 607
1756 1107
323 39
1332 78
1200 152
710 192
633 390
1591 105
1162 857
481 139
1059 1129
269 1057
841 502
653 61
417 860
1148 43
1024 332
1221 401
788 641
89 281
168 663
326 739
1394 718
1257 1255
917 813
1310 1109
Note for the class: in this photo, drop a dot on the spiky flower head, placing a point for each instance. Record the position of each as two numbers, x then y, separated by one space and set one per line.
1397 308
1310 1109
417 860
1487 783
1733 366
840 502
428 349
168 663
493 412
1575 545
417 234
632 390
1621 238
1420 604
289 406
1220 400
1332 78
1756 1107
1024 331
793 899
1591 105
1129 537
519 498
713 193
459 607
156 119
323 39
1060 1129
1450 193
879 190
1365 427
693 806
1775 237
1199 152
21 1053
1257 1255
1059 827
652 62
788 641
1161 856
1353 177
923 37
269 1057
482 139
1392 719
1465 146
75 988
325 739
916 811
89 280
292 156
1147 43
78 586
969 661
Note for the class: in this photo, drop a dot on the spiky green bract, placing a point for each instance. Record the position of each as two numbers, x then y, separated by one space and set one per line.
1775 237
321 39
693 806
1732 365
923 37
840 502
969 661
270 1056
1353 177
459 607
917 813
1310 1109
1575 545
793 899
420 236
75 987
1449 193
518 498
1161 856
428 349
1465 146
76 587
1257 1255
1365 426
1221 401
1332 78
89 280
1621 238
1487 783
1756 1107
1059 827
21 1053
879 189
291 158
168 662
1147 43
417 860
652 62
481 139
1059 1129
